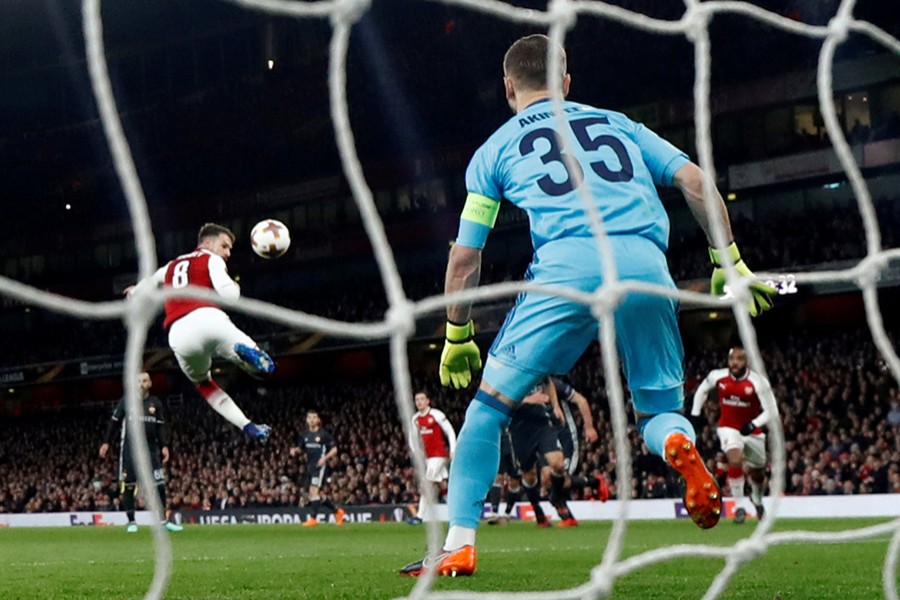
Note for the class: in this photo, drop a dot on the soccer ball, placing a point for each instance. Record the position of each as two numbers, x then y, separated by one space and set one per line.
270 238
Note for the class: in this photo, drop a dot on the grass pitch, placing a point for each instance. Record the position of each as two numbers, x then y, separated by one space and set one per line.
360 561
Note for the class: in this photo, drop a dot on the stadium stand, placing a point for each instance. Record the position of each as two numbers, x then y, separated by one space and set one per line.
840 409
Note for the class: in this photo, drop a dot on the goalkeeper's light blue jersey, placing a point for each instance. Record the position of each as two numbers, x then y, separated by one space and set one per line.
621 161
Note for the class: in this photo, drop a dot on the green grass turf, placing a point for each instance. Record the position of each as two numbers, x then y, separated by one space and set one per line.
360 561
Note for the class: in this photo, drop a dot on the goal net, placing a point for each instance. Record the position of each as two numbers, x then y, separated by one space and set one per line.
399 324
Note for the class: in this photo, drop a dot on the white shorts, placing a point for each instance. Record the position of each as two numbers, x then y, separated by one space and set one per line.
753 446
201 335
436 469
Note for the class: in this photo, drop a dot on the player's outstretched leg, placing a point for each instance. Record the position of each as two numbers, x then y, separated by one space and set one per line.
254 360
670 435
258 432
221 402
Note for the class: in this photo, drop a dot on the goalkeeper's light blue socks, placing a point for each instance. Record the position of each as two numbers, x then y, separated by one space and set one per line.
474 467
657 428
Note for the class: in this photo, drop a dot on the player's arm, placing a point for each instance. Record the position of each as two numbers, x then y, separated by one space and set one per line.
295 450
329 455
332 450
590 432
690 180
573 396
669 166
702 394
115 422
154 281
162 431
221 280
413 432
550 390
766 399
463 273
449 432
461 354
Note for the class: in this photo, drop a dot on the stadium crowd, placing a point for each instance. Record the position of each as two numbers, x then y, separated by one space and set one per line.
839 405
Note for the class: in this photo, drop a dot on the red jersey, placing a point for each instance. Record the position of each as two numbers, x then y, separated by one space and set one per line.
739 398
188 269
432 427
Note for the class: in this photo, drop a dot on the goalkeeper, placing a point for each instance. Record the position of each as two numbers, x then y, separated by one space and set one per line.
620 162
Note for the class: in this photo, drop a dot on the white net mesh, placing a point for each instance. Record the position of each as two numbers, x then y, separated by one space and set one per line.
399 325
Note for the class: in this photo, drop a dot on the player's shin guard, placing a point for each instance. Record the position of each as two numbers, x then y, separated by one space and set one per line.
477 459
128 501
657 428
222 403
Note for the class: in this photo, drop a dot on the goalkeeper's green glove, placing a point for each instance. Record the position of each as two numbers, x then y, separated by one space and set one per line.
460 355
760 293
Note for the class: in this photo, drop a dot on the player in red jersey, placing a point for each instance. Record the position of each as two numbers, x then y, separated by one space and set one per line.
439 442
741 418
199 330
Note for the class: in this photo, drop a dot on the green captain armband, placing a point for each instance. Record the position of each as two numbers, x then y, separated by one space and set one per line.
477 220
481 209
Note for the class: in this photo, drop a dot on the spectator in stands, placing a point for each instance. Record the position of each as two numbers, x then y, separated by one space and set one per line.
893 416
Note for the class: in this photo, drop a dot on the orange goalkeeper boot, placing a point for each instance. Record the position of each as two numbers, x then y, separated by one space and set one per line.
702 498
460 562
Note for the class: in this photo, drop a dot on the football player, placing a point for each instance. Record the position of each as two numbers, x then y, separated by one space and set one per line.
199 330
742 416
319 447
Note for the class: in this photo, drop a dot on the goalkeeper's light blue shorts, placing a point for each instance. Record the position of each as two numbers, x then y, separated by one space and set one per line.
546 335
